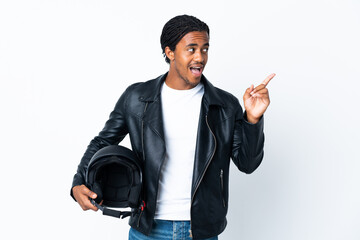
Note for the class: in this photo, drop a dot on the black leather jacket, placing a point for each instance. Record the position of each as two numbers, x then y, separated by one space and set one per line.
223 133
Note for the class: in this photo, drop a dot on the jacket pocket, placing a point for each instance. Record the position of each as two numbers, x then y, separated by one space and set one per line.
222 186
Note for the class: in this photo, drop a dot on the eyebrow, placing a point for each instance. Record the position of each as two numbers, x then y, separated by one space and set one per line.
194 45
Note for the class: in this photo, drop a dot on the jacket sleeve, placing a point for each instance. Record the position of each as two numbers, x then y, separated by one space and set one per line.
114 131
248 142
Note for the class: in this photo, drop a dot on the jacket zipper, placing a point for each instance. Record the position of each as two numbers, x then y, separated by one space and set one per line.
202 176
143 150
142 130
222 186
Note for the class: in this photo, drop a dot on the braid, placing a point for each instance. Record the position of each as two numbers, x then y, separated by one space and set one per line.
176 28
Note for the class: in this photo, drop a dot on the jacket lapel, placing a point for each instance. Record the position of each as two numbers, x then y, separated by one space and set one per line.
205 146
153 118
152 115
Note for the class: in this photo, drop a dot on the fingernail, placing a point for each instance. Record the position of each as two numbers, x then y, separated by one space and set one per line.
94 196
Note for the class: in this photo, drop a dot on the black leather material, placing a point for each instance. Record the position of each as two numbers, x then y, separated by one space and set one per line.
223 134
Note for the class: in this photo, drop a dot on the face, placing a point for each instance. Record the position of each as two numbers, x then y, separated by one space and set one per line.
188 61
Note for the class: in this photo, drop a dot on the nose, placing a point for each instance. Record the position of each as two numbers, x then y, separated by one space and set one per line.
198 56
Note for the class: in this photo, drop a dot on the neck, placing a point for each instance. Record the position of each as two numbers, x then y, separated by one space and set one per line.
175 81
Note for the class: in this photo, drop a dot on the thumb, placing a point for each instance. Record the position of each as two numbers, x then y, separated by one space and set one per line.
89 193
248 91
251 88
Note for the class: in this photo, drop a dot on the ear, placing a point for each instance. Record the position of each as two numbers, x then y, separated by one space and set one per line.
169 53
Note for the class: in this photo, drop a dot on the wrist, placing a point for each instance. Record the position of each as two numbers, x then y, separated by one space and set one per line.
251 119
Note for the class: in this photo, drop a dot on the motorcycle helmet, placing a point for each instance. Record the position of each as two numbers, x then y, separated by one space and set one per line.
114 174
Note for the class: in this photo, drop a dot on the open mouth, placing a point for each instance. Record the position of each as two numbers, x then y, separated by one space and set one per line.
196 71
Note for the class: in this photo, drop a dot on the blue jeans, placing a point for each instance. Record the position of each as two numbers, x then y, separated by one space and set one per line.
166 230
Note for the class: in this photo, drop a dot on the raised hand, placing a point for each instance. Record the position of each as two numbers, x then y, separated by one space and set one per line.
256 100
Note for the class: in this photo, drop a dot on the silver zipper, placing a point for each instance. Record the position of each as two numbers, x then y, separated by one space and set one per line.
202 176
222 186
143 150
142 131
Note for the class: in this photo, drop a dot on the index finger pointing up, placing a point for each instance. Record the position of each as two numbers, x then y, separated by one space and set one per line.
267 80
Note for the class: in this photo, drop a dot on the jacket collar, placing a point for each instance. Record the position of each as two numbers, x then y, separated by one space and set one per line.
210 92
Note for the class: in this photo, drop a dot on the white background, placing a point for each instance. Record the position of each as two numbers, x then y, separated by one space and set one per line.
64 63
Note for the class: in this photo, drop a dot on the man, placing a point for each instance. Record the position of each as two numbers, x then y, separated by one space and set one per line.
185 130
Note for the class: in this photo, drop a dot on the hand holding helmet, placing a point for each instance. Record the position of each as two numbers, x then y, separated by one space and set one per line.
113 177
82 194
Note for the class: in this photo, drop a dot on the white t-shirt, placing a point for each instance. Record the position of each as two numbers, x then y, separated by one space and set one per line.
181 109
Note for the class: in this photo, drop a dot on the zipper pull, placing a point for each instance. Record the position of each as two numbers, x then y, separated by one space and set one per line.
222 179
141 207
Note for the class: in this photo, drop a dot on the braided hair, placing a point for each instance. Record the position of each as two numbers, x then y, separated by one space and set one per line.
176 28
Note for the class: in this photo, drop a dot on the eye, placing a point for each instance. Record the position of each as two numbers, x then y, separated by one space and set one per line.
191 49
205 50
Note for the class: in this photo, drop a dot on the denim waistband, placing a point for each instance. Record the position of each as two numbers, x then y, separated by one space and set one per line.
166 230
